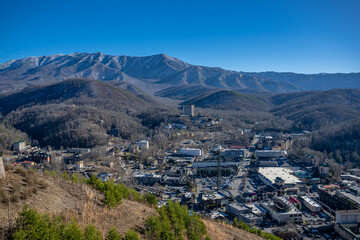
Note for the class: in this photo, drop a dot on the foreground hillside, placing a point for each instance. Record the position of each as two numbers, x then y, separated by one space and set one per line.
55 196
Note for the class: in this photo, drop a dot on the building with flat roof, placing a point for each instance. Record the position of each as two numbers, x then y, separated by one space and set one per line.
234 153
281 214
244 213
311 204
347 216
270 153
279 176
191 152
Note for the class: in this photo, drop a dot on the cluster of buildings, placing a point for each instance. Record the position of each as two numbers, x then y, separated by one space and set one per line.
258 183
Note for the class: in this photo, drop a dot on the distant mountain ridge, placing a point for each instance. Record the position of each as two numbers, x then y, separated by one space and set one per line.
158 73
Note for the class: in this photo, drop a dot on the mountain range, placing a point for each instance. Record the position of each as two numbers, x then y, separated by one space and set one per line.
80 99
160 73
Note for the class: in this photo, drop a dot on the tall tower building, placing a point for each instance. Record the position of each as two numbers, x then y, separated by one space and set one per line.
2 169
189 110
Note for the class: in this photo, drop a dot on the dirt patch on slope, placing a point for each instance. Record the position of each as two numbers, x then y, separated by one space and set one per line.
222 231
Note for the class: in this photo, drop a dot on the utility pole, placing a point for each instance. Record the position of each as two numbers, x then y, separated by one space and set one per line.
9 210
218 179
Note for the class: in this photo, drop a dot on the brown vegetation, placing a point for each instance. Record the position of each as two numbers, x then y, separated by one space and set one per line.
222 231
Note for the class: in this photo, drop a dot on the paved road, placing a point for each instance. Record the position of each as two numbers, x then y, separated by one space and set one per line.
235 187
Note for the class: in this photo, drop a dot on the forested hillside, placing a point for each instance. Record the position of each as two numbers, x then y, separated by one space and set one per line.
230 100
342 142
76 112
318 109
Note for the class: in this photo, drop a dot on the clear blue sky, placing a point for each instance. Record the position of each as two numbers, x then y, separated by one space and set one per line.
307 36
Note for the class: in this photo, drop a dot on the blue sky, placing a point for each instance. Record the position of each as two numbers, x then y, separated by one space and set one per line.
308 36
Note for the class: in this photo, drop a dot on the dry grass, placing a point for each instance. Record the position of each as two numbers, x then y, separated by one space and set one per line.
222 231
56 196
70 201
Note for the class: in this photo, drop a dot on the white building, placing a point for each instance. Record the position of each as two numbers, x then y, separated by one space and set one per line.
311 204
19 146
191 152
347 216
143 144
244 213
279 176
291 215
2 169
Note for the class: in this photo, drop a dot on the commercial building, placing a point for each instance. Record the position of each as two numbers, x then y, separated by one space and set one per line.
191 152
270 153
209 201
244 213
147 179
279 177
214 164
234 153
282 211
347 216
41 157
311 204
350 177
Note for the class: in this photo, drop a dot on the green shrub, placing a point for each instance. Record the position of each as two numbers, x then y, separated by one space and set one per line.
131 235
113 235
35 226
115 193
173 221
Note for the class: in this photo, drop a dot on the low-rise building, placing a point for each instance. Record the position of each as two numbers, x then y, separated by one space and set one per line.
234 153
209 201
347 216
280 177
104 176
311 204
19 146
282 215
270 153
147 179
244 213
143 144
191 152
